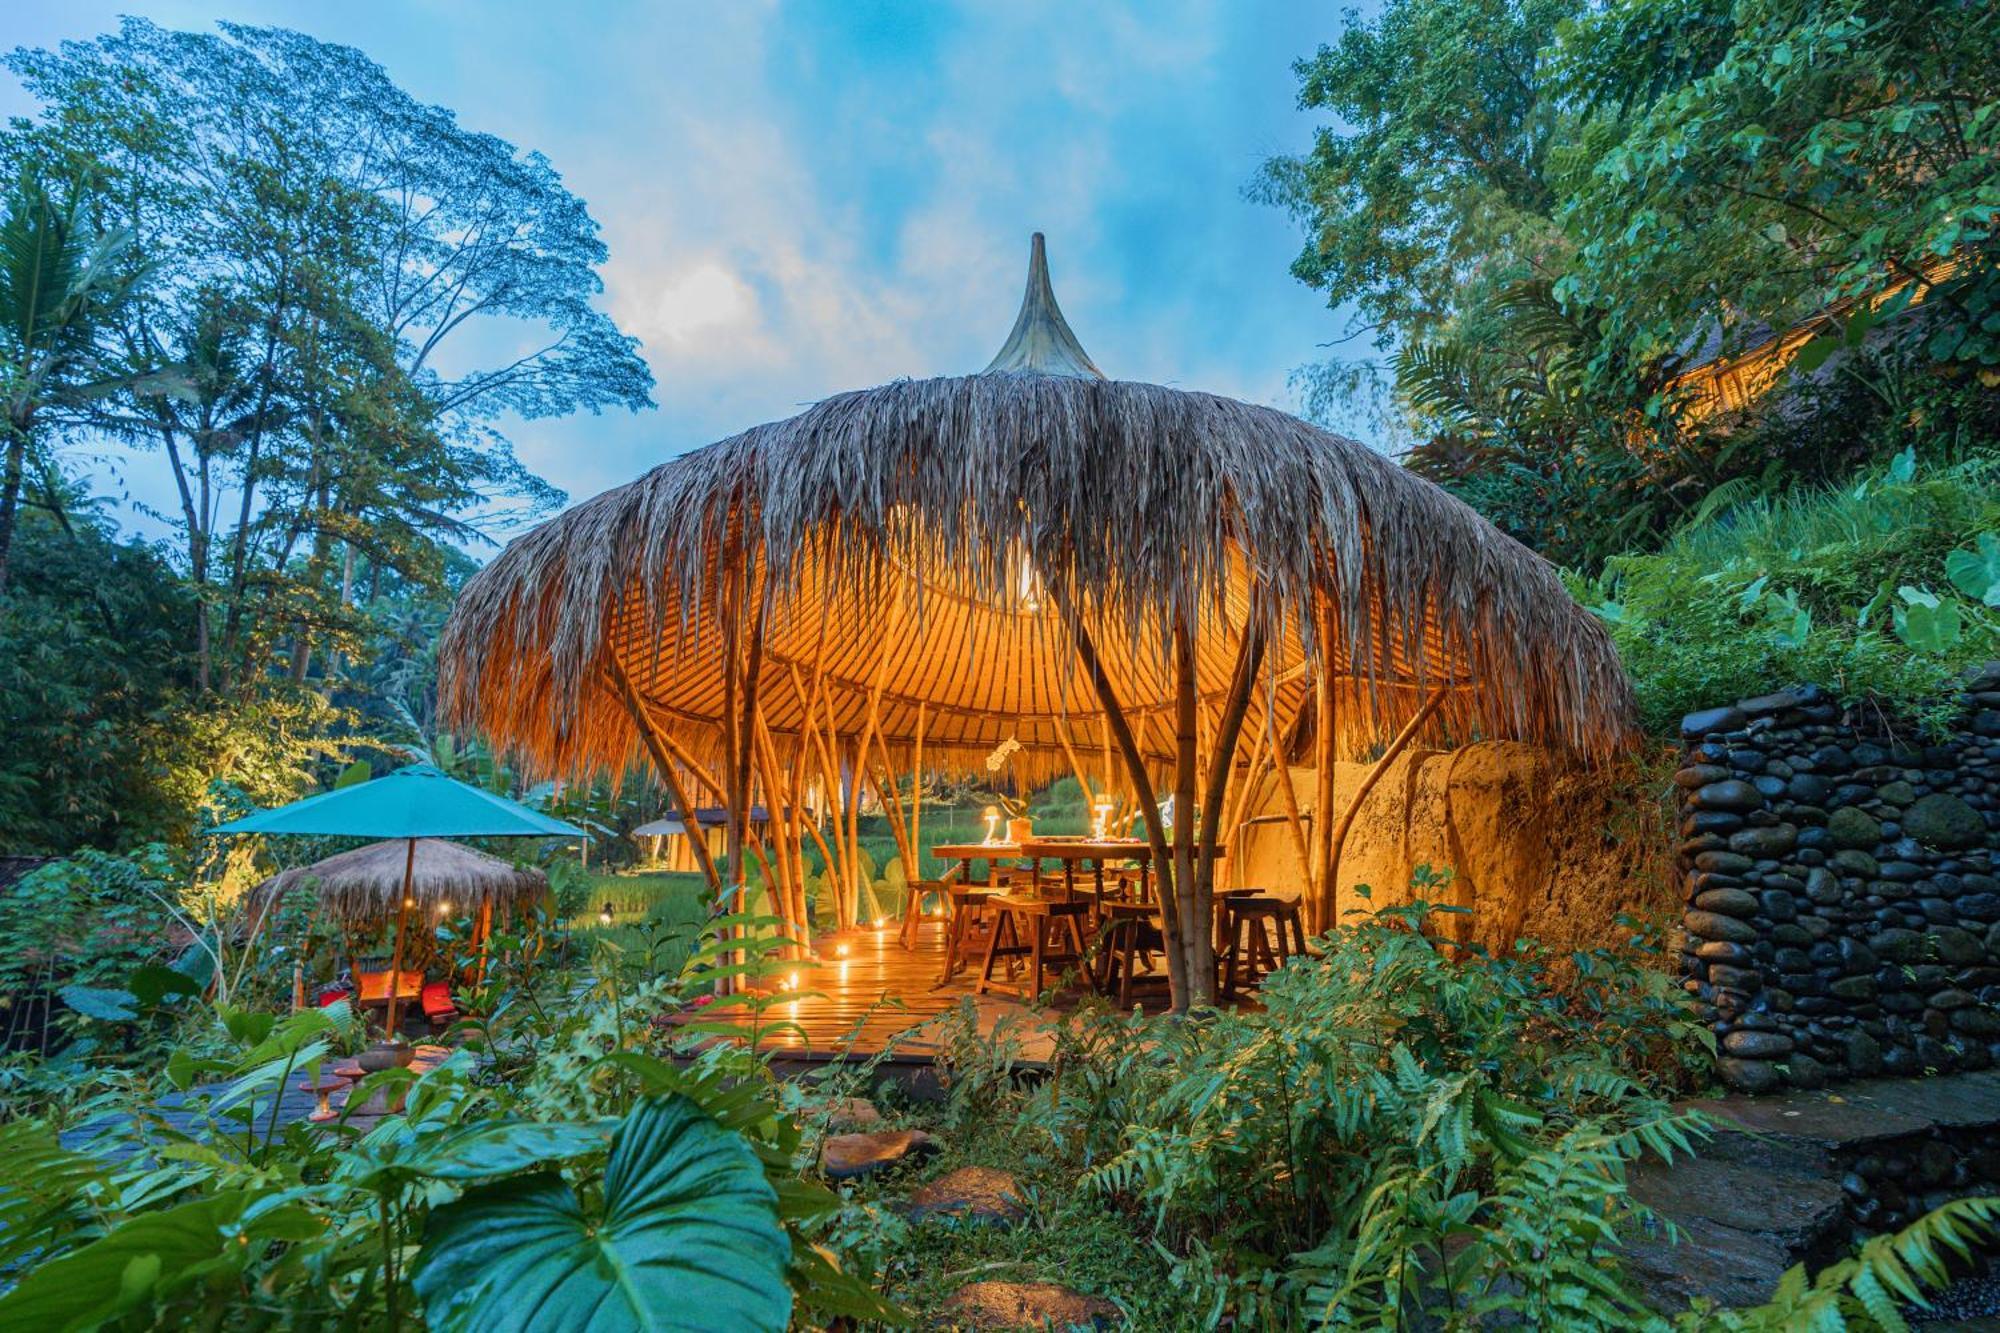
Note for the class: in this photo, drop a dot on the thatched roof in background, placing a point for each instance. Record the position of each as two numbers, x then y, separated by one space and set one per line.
893 530
365 886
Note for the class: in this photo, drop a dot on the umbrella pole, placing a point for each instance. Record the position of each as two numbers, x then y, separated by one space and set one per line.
402 918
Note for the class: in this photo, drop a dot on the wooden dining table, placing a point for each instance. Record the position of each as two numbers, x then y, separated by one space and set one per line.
1095 853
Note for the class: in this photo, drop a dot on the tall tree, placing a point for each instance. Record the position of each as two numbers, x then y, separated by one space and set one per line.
1436 168
329 240
1830 151
61 291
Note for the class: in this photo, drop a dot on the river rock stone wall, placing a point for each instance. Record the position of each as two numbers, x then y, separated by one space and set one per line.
1842 911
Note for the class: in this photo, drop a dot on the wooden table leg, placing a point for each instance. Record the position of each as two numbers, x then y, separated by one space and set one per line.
1004 919
1040 928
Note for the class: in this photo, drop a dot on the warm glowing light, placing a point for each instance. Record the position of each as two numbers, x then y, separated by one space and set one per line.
444 907
840 950
992 817
881 921
792 981
1100 823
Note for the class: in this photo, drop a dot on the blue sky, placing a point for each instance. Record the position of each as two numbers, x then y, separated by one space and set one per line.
804 198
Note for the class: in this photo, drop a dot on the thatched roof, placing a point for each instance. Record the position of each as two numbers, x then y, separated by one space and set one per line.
365 886
907 538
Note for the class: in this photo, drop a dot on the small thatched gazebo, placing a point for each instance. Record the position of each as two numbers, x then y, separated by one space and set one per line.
364 886
1153 589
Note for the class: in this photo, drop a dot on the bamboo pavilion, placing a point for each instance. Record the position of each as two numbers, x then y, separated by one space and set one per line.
1156 590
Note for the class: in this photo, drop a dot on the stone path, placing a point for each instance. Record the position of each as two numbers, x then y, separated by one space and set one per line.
980 1195
966 1196
852 1156
1017 1305
1799 1178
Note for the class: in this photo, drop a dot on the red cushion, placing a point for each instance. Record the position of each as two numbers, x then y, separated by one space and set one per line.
334 995
437 999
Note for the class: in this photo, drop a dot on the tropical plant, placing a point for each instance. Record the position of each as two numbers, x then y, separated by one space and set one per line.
598 1176
62 288
1815 154
1877 588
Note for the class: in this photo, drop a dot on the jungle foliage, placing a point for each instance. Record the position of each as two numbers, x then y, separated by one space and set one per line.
253 253
1887 588
1544 213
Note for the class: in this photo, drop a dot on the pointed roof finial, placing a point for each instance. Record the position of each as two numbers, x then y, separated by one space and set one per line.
1041 342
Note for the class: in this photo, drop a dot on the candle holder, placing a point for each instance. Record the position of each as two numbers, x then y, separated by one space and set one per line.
992 816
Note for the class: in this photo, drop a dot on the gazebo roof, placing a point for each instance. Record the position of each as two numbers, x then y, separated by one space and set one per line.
366 884
912 547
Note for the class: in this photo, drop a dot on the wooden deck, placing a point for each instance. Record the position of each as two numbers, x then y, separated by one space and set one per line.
869 996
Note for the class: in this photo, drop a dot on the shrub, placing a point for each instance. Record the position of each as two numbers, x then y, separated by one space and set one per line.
1885 588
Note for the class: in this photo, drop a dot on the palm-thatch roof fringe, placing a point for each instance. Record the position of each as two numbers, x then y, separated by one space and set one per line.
364 886
1150 505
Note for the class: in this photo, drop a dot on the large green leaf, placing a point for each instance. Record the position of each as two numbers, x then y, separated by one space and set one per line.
103 1003
149 1257
687 1237
1976 573
476 1151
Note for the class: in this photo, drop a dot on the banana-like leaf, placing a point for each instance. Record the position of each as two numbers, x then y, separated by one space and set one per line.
687 1238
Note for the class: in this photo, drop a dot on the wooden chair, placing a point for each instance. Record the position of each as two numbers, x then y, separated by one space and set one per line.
967 928
1261 932
1048 934
1132 933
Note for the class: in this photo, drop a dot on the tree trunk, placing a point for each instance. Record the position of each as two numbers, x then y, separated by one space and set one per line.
10 496
1197 927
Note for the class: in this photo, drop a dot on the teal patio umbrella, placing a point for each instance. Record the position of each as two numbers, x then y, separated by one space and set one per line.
411 803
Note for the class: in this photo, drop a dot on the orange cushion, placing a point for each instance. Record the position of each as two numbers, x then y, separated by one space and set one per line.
375 985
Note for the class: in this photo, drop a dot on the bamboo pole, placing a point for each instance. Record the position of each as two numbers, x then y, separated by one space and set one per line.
1222 757
396 959
1075 766
1324 729
1196 944
1142 783
917 793
779 878
1389 756
657 745
1283 769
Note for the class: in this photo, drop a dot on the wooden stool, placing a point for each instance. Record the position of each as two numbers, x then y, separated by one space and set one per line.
1034 928
1250 922
1131 931
966 933
913 907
